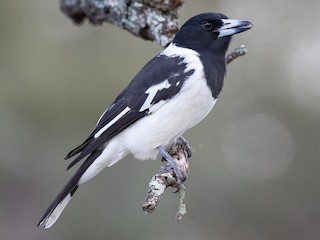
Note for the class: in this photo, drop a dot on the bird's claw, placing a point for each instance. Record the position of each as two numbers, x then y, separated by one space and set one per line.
179 175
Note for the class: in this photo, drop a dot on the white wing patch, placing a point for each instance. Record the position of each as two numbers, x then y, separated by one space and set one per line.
190 57
124 111
104 113
152 91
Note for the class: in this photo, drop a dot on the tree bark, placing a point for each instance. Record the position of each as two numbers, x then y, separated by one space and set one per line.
154 20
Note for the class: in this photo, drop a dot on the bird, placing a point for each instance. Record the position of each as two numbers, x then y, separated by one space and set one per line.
172 93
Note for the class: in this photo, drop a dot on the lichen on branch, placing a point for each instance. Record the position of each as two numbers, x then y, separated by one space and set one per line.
154 20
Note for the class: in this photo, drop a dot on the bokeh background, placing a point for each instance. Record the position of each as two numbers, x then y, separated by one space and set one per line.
255 170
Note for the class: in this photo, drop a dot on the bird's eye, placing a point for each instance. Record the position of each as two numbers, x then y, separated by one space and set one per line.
207 26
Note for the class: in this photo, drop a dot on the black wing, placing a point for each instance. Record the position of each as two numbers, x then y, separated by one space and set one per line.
127 108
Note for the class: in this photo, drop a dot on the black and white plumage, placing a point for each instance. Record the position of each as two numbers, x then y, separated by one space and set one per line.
172 93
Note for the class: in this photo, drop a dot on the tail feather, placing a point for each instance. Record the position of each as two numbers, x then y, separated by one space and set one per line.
62 199
52 217
79 148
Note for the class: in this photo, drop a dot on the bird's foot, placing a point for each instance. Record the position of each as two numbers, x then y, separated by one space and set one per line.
172 165
180 175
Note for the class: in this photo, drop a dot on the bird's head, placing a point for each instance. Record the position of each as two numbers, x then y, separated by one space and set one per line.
209 31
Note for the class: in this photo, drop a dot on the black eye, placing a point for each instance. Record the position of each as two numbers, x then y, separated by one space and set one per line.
207 26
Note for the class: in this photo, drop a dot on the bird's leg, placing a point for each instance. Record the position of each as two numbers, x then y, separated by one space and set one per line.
180 175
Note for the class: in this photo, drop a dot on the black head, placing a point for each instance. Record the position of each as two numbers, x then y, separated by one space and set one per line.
209 32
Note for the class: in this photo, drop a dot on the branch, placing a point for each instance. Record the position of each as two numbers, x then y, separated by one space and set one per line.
240 51
154 20
181 153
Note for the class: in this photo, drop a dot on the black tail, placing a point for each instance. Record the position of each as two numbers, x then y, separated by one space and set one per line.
60 202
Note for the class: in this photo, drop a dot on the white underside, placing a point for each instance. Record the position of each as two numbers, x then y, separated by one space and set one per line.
168 123
165 125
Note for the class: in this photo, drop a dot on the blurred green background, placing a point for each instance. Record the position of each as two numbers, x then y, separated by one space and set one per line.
255 171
